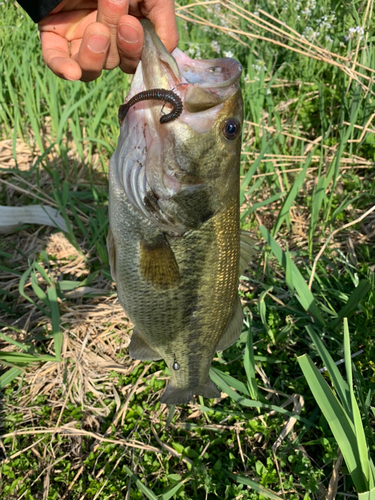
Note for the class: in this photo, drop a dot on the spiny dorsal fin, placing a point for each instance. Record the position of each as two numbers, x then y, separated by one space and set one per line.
233 329
111 254
247 250
157 263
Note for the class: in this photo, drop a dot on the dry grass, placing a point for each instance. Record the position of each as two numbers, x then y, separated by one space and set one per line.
279 34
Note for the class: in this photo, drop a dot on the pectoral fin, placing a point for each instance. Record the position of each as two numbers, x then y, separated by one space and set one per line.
233 329
247 250
111 253
139 349
157 265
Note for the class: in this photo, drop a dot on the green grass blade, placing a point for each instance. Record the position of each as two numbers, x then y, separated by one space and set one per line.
41 269
319 194
7 377
232 382
249 365
253 485
143 488
70 107
296 281
260 204
37 290
8 339
349 200
362 444
357 420
341 426
289 269
55 320
262 308
339 383
215 375
173 490
68 286
368 495
253 168
345 134
21 358
350 307
348 361
21 286
291 197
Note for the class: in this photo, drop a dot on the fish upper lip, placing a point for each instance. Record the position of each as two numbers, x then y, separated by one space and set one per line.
169 71
210 74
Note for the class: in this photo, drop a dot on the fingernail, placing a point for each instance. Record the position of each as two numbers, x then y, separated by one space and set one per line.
98 43
128 33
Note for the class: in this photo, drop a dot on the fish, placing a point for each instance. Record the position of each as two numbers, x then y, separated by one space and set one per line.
174 243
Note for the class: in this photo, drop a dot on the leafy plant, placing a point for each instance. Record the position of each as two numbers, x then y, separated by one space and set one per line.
342 413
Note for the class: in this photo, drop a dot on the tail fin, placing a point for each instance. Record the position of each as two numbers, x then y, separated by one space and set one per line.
180 396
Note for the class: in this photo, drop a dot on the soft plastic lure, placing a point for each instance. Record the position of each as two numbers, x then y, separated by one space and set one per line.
158 95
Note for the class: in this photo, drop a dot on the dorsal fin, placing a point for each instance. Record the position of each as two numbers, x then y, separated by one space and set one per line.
233 329
247 250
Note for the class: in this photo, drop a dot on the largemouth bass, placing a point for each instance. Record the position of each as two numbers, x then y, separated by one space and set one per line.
174 240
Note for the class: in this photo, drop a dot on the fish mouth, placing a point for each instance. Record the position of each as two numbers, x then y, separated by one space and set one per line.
145 161
201 84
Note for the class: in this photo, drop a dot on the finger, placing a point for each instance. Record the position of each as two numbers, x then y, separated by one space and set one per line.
162 15
91 53
130 43
55 51
70 25
109 13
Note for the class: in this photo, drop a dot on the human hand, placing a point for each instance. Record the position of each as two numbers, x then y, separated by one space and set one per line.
80 38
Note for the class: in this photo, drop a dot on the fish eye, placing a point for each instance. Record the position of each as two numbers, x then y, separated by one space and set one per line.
231 128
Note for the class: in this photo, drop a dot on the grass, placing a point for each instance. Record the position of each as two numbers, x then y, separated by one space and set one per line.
90 426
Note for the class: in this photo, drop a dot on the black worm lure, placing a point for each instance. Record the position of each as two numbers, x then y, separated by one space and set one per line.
158 95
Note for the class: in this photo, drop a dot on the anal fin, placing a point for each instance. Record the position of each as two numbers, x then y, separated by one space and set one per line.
176 396
233 329
157 265
139 349
247 250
